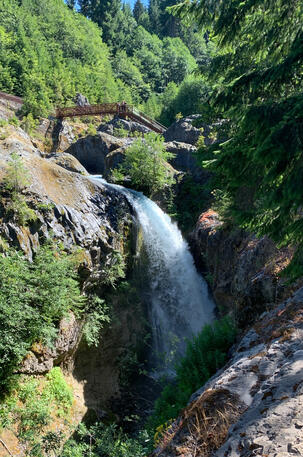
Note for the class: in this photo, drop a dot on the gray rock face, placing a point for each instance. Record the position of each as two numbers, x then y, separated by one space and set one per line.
129 126
68 162
185 160
41 359
92 150
62 136
264 378
74 210
183 131
242 268
81 100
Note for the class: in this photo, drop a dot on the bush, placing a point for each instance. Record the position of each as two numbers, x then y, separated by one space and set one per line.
15 181
32 405
205 354
33 298
104 440
145 164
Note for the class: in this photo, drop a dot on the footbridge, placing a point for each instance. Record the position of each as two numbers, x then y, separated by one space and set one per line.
122 110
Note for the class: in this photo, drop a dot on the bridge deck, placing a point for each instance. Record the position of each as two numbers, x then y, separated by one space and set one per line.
121 109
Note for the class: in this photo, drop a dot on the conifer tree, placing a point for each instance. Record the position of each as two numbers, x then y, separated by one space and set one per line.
138 10
259 70
154 12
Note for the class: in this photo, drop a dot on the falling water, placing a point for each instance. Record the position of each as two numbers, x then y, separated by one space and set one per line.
179 301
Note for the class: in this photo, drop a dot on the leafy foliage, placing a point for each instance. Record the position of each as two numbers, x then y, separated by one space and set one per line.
145 164
205 354
105 440
97 314
48 53
31 406
33 298
16 179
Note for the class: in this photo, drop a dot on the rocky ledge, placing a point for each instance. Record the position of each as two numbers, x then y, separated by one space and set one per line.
253 406
241 269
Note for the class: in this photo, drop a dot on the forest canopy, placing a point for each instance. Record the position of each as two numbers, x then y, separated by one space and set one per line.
50 50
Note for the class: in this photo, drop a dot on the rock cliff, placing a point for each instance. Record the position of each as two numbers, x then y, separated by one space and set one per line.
79 213
242 270
253 406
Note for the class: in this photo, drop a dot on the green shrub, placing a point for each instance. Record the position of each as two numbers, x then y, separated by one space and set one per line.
91 129
97 314
33 298
29 124
205 354
15 181
57 390
32 405
106 441
145 164
120 132
14 121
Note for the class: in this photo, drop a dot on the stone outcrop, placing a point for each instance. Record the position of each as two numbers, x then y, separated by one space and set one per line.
68 162
80 213
183 130
62 135
127 125
93 150
81 100
242 270
185 160
259 395
41 359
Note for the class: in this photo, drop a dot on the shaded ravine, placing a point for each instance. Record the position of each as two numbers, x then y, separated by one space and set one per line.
179 303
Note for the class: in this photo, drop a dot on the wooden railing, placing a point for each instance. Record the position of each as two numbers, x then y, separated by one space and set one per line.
120 109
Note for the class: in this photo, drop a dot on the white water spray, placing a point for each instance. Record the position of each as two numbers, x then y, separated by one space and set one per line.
179 301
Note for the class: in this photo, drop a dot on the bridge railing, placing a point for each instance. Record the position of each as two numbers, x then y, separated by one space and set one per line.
105 108
148 120
121 109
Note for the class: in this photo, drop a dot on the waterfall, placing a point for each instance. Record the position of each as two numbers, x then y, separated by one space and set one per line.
179 303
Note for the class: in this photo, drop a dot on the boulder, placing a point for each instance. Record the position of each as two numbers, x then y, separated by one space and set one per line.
62 136
118 123
185 160
81 100
92 150
68 162
183 131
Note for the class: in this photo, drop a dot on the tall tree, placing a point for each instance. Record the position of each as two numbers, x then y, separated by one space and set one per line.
260 90
154 12
138 10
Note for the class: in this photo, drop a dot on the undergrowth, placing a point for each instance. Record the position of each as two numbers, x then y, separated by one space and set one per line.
205 354
32 405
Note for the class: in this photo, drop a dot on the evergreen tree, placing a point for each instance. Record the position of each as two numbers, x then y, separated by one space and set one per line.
138 10
154 12
71 4
259 70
